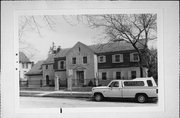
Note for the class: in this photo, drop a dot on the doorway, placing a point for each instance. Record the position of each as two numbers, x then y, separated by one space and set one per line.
47 80
80 77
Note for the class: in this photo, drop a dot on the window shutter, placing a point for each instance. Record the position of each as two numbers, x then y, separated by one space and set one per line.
121 58
129 75
100 75
131 57
107 75
113 58
58 65
114 74
104 58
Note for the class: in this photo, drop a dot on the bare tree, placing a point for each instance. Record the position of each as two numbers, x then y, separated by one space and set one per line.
32 24
136 29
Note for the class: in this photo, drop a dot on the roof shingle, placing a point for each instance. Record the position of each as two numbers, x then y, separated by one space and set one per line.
36 69
106 47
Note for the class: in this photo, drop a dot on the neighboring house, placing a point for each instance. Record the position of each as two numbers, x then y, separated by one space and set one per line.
24 66
48 71
84 65
35 75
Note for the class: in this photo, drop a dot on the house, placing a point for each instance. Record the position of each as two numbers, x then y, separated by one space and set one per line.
84 65
24 66
35 75
48 71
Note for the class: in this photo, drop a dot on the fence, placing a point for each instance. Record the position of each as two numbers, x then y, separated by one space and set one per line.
90 82
36 83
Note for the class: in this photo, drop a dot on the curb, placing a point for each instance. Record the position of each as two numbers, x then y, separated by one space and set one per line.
60 95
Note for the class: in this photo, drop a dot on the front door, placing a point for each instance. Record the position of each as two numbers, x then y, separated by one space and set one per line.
80 77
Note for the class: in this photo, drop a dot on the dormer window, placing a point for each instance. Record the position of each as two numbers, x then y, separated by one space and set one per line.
102 59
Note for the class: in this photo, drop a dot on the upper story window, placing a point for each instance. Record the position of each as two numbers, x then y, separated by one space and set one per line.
74 60
102 59
22 65
61 65
46 66
26 65
117 58
85 60
134 57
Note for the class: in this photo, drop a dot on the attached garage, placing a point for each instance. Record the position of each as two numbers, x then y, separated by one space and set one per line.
35 76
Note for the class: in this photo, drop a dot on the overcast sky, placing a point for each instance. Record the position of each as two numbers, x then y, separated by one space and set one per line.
64 34
67 31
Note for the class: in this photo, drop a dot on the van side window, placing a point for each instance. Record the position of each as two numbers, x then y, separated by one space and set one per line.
133 83
149 82
114 84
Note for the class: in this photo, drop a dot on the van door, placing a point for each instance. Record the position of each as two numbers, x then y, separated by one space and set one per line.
115 89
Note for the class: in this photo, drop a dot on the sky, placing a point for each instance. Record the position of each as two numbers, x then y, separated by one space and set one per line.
66 32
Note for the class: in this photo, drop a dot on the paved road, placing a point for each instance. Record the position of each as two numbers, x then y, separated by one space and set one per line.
48 102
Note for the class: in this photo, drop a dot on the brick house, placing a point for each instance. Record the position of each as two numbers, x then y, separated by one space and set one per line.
83 65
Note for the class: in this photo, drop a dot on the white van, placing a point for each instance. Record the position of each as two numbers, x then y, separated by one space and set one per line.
140 88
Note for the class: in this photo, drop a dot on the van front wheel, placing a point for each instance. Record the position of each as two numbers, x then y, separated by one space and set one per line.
98 97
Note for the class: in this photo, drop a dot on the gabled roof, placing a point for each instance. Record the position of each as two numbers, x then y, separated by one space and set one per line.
79 43
36 69
113 47
62 52
103 48
23 58
50 59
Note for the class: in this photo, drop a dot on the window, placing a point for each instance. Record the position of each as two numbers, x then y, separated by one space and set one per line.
74 60
114 84
46 66
22 65
118 75
102 59
62 65
84 60
133 74
134 57
149 82
104 76
117 58
133 83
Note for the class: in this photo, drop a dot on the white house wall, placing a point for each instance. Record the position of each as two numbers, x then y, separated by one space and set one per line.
22 71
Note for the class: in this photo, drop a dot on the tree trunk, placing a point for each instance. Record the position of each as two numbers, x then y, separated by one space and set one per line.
140 65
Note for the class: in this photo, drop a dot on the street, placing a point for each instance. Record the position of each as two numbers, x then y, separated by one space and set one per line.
51 102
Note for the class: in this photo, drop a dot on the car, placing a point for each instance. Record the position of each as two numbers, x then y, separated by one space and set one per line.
140 89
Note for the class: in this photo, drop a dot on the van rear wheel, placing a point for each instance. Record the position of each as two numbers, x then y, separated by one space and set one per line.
141 98
98 97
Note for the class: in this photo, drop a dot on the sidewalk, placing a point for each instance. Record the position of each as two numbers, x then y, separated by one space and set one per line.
61 93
